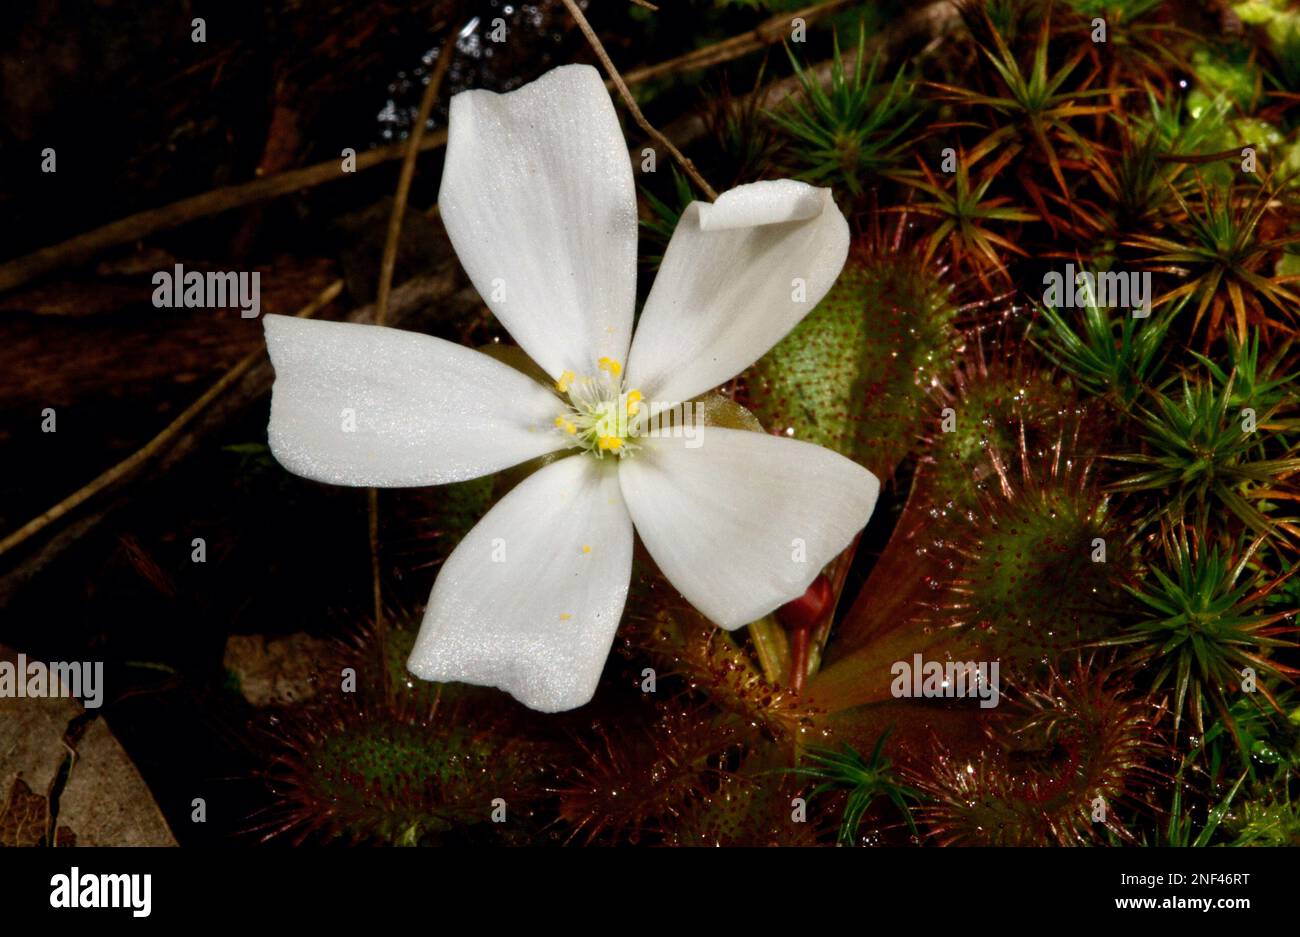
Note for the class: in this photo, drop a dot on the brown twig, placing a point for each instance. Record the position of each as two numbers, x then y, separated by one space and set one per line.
407 175
442 289
372 532
156 445
630 101
28 267
930 20
769 32
933 18
134 227
386 267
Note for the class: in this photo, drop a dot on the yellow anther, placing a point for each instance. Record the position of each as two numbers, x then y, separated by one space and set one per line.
562 385
610 443
568 427
565 616
610 365
586 549
634 399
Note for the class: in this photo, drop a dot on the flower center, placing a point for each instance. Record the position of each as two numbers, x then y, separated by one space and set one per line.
601 417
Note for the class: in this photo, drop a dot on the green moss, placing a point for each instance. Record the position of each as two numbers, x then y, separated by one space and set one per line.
1269 823
1223 69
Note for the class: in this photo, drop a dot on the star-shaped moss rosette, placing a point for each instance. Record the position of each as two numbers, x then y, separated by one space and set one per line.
538 200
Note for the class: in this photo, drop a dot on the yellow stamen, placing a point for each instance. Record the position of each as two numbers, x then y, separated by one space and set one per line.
610 443
562 423
565 616
634 398
610 365
586 549
562 385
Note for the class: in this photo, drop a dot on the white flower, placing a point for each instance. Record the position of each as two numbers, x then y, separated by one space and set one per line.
538 200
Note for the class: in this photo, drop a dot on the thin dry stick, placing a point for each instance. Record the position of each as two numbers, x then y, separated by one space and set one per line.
134 227
386 267
22 269
372 528
630 101
407 175
766 33
932 20
152 448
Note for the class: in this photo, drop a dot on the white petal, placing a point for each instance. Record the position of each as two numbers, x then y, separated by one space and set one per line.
364 405
729 286
745 522
771 202
530 599
538 200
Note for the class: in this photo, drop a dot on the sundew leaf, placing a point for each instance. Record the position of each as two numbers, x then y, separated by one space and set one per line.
854 375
